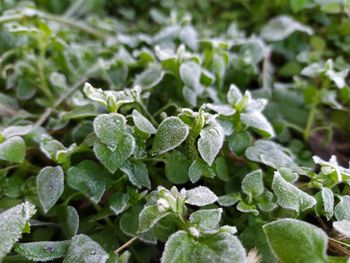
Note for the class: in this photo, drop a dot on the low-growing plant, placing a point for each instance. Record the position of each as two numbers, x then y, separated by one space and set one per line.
147 132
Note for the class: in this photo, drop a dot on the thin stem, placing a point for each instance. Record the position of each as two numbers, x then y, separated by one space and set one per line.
340 242
149 115
171 104
69 22
125 245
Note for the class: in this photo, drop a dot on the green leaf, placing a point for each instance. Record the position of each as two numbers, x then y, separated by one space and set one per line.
13 150
229 199
176 167
69 219
84 250
181 247
343 227
290 196
150 77
281 27
247 208
327 202
85 111
200 196
210 142
342 209
239 142
13 222
112 160
142 123
89 178
221 169
110 128
234 94
258 121
190 73
118 203
43 251
200 168
252 183
206 219
50 186
296 241
137 173
170 134
150 216
298 5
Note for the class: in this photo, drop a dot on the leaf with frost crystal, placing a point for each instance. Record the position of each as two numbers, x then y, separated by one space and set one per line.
13 150
112 160
252 183
206 219
234 94
190 73
12 224
343 227
118 203
325 204
44 250
84 250
224 109
189 36
110 128
137 173
170 134
281 27
210 142
223 246
50 186
200 168
69 219
150 216
342 209
259 122
290 196
142 123
89 178
200 196
293 240
150 77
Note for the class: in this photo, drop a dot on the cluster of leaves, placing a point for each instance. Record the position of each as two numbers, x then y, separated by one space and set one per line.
184 137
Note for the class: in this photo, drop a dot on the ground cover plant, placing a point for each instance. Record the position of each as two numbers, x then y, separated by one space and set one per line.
174 131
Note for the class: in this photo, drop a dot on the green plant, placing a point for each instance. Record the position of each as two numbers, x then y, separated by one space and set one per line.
145 133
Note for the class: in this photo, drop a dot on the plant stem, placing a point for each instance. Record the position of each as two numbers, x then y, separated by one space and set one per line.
125 245
149 115
40 64
337 241
73 8
69 22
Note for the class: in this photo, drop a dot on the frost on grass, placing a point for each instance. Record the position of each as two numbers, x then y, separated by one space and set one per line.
84 250
50 186
200 196
13 222
290 196
170 134
293 240
43 251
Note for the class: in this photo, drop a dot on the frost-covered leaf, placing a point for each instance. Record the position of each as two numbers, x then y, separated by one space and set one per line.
170 134
50 186
281 27
189 36
70 221
149 216
118 203
293 240
89 178
137 173
84 250
113 160
225 110
176 167
150 77
271 154
342 209
200 196
252 183
247 208
181 247
43 251
229 199
190 73
326 203
239 142
142 123
198 169
206 219
85 111
50 147
233 95
13 222
13 150
15 130
343 227
210 142
110 128
290 196
258 121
